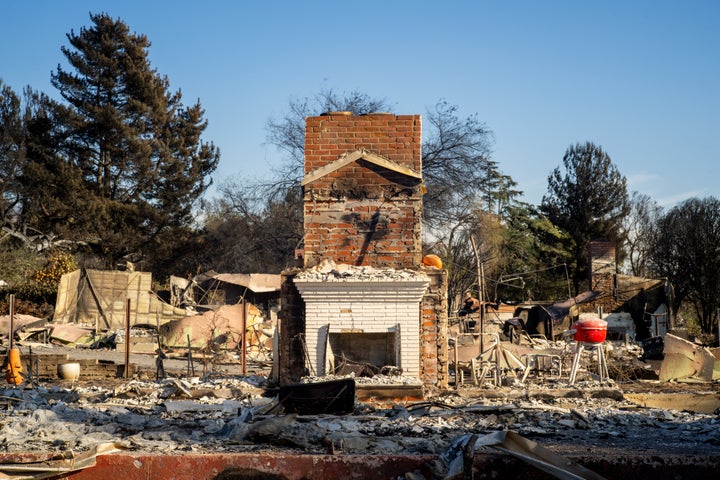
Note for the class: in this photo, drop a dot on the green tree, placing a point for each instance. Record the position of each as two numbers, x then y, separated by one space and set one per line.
686 250
588 201
129 149
12 154
535 257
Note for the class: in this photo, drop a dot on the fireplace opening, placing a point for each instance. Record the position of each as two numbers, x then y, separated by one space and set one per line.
364 354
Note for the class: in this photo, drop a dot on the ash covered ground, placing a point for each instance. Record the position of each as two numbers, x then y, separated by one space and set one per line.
225 412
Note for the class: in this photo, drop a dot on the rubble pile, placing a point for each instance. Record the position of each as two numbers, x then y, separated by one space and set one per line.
329 271
230 414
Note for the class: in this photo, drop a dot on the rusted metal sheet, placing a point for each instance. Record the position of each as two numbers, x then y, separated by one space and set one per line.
692 402
334 396
97 296
390 394
685 359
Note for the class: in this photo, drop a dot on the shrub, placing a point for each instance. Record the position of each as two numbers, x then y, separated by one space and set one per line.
36 294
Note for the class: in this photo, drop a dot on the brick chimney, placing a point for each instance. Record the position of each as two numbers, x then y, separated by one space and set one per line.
363 190
362 200
603 266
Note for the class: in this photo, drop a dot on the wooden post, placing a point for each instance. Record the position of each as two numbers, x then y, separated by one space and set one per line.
190 364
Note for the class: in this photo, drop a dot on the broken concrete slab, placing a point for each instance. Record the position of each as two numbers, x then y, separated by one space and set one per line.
181 406
684 359
57 464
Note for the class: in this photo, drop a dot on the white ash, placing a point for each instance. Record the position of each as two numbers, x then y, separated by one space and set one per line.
160 417
328 271
374 380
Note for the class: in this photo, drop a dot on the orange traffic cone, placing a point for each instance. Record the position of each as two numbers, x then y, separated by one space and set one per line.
14 367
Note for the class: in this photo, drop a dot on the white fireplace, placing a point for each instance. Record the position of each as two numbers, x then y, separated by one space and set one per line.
363 314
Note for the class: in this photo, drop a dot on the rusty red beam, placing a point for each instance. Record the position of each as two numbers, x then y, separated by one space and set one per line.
251 465
287 466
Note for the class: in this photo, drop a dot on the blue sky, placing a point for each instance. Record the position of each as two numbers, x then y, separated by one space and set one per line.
639 78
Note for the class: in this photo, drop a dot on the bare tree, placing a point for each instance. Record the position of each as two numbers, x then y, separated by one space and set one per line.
247 232
685 250
288 132
639 228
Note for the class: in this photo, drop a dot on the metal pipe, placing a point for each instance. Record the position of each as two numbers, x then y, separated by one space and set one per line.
242 336
127 338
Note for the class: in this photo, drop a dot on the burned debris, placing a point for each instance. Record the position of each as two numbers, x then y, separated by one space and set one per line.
354 353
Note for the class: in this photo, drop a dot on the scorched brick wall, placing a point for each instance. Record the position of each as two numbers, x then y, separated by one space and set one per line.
363 213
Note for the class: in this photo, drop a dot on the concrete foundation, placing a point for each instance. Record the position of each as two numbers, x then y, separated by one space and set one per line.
45 366
279 466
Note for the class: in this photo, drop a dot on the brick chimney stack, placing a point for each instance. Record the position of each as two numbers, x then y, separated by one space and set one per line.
363 190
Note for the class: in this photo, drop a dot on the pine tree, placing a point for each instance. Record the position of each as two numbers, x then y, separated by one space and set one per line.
134 151
589 202
11 153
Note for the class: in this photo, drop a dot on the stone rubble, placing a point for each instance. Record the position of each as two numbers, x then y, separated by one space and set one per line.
329 271
228 414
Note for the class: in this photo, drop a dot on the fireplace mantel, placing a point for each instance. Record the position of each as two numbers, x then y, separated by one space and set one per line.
363 304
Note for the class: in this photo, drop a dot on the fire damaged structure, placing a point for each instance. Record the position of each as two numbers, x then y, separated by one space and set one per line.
362 295
364 300
633 306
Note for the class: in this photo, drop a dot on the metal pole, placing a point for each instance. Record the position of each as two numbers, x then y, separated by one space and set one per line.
127 338
242 335
457 368
12 319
